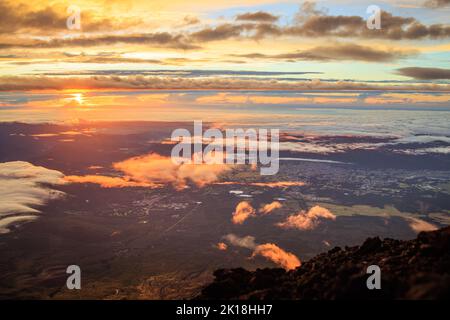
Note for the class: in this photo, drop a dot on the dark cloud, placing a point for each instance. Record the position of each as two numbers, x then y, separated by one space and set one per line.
259 16
392 27
346 51
15 18
221 32
425 73
161 39
316 23
311 22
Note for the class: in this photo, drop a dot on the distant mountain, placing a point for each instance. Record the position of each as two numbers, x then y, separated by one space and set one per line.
415 269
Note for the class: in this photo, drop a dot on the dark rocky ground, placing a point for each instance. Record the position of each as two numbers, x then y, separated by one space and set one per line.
415 269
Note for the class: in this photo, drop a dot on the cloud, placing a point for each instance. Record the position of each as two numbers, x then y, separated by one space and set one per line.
309 22
243 211
158 39
392 27
308 9
247 242
317 23
153 171
24 83
307 220
13 220
23 188
277 255
190 20
22 17
425 73
339 51
419 225
110 182
278 184
221 32
222 246
268 208
259 16
270 251
437 4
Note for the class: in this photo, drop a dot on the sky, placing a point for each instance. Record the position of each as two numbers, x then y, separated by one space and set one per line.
124 47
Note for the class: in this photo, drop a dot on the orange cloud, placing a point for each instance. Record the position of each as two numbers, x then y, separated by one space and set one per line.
274 253
419 225
243 211
307 220
268 208
278 184
154 170
109 182
222 246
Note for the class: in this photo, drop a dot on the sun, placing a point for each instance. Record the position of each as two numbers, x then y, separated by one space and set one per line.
78 97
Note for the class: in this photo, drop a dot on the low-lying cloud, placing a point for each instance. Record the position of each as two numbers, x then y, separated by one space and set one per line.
269 207
247 242
243 211
269 251
154 171
419 225
24 187
307 220
277 255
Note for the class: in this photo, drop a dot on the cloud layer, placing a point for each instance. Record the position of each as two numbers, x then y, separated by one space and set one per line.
24 83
